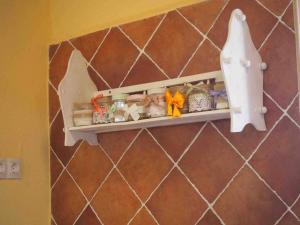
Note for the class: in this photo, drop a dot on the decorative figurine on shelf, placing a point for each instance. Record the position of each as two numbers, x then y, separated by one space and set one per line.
174 103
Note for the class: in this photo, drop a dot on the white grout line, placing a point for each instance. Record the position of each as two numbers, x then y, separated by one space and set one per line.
49 82
191 57
54 117
98 74
65 166
279 21
142 50
218 16
268 36
50 60
52 217
104 38
143 204
181 171
204 35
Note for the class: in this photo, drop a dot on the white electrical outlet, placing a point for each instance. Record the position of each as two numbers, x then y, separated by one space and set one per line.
13 168
2 168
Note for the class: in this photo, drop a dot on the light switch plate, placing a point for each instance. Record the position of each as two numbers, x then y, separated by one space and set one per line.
13 168
2 168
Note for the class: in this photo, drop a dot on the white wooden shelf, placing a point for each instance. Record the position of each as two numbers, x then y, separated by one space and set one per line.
155 122
242 71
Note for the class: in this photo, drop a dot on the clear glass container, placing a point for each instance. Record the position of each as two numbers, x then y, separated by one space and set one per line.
119 108
220 96
136 104
199 98
156 103
103 114
82 114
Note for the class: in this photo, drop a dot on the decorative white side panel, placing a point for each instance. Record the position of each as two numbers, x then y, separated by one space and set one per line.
76 86
242 69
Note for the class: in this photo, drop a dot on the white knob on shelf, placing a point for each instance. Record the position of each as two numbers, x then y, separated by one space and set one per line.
241 16
263 66
263 110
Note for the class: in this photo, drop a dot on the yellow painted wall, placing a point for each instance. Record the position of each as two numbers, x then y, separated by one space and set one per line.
24 35
72 18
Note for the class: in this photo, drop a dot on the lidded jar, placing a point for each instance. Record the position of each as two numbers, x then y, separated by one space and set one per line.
156 103
119 107
102 112
136 106
82 114
199 97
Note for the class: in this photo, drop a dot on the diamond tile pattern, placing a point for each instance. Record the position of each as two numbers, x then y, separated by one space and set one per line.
67 200
248 201
173 44
115 50
144 165
143 217
141 189
210 163
88 217
55 167
296 208
206 59
89 43
114 144
277 7
89 167
59 63
294 111
281 59
288 17
209 219
165 136
202 15
57 138
255 15
115 203
280 165
144 71
173 196
141 31
289 219
53 103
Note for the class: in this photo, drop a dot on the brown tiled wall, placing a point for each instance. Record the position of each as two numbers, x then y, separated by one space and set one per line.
196 174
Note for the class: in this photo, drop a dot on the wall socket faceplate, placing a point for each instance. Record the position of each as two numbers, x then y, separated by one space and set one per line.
10 168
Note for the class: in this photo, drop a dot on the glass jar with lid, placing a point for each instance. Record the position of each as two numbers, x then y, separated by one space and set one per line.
119 107
156 103
136 106
82 114
199 97
102 112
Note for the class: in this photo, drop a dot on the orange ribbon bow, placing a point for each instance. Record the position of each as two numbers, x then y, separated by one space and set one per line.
174 103
98 108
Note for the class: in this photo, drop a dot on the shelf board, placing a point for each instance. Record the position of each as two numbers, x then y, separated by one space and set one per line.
155 122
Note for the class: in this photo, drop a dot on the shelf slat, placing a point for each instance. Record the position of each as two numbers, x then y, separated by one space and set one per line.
155 122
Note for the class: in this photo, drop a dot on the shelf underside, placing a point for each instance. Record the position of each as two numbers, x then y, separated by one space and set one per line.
155 122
